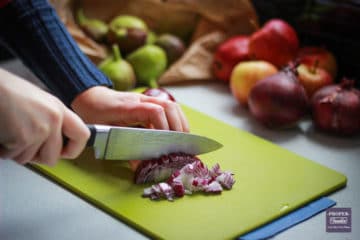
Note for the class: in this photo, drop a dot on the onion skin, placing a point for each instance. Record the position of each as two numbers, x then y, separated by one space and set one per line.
160 93
158 169
279 100
336 109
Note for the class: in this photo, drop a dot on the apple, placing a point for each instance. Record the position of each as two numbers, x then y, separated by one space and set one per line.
245 75
276 42
228 54
326 59
313 78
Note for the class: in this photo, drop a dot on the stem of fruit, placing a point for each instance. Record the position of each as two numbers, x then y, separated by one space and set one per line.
153 83
116 52
315 66
81 17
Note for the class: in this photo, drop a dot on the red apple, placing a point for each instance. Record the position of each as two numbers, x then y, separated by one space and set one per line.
313 78
276 42
326 59
228 54
245 75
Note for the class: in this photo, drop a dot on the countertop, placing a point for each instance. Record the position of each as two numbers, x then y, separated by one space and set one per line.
35 208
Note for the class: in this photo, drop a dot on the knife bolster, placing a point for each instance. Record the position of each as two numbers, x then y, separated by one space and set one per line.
101 140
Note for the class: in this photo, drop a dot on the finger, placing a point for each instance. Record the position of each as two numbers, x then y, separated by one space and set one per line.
10 153
183 119
154 115
28 155
77 133
175 117
49 152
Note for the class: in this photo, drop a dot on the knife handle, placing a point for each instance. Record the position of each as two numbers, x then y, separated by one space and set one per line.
91 139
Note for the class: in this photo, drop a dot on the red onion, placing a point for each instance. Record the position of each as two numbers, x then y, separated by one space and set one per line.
159 169
279 100
336 108
159 93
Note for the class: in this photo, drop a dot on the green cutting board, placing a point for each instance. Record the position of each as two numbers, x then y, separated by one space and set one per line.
270 182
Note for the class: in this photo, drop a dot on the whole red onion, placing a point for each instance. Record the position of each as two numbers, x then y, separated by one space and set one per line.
159 93
279 100
336 108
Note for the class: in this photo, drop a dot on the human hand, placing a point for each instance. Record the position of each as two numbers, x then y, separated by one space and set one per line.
101 105
33 122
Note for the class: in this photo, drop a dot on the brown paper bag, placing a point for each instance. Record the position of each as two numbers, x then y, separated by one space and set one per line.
203 24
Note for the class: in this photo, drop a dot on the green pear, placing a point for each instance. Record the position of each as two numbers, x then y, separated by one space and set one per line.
95 28
148 62
119 71
151 37
127 21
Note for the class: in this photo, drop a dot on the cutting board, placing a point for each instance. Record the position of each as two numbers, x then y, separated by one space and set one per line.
270 182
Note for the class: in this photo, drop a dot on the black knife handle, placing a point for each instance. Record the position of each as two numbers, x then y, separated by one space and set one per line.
91 139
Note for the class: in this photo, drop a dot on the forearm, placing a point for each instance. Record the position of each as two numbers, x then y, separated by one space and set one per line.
34 33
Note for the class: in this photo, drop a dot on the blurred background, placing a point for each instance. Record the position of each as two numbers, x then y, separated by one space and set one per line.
333 24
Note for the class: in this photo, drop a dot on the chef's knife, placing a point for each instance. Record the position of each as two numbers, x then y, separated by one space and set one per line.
126 143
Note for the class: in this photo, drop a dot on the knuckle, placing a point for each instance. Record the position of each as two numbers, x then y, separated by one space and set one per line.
55 116
158 110
22 139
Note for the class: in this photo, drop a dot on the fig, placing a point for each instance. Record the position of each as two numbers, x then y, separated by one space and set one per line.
129 39
129 32
95 28
149 62
174 47
119 71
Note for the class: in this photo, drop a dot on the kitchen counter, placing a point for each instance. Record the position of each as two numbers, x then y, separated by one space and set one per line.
33 207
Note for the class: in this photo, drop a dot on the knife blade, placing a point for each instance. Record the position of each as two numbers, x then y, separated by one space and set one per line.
126 143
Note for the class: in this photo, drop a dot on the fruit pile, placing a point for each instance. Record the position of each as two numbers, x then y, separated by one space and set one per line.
280 81
139 55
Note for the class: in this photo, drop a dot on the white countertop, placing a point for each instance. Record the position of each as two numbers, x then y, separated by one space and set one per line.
35 208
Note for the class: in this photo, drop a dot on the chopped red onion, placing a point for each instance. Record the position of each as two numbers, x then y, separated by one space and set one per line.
193 177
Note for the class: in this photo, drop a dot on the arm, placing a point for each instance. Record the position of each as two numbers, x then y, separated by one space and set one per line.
34 33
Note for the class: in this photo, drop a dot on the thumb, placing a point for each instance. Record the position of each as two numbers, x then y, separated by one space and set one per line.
77 134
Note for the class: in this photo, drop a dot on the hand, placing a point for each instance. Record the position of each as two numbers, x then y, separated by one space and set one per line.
102 105
32 123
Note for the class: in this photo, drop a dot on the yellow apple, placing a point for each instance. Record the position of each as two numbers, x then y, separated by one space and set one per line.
245 75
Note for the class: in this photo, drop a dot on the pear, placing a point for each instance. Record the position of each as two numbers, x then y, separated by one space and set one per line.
128 21
129 32
151 37
173 46
148 62
119 71
95 28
